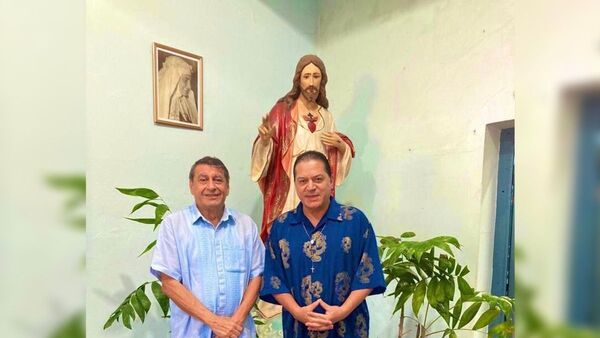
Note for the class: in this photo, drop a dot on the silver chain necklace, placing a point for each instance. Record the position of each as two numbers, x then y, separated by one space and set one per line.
312 242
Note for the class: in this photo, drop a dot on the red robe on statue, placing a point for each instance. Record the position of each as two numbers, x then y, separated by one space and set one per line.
276 183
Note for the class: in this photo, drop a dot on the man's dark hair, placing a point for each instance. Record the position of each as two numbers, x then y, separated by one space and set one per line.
294 93
213 162
316 156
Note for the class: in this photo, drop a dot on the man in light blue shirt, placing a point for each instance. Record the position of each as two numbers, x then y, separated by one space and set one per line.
210 260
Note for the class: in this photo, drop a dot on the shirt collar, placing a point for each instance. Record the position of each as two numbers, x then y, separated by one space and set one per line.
334 212
197 215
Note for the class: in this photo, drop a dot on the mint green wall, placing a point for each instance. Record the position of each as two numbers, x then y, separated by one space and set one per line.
249 49
415 83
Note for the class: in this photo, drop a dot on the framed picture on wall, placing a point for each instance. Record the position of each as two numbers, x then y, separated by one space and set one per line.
177 87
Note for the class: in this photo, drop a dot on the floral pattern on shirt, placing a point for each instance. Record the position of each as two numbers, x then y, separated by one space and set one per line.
275 282
365 268
315 247
284 245
342 285
346 244
360 327
311 289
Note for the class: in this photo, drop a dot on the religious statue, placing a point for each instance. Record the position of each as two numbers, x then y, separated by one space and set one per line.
299 121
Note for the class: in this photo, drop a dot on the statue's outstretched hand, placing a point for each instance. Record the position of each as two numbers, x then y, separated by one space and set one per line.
265 130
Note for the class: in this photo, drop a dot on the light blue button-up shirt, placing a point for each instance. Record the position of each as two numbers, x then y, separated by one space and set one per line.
214 263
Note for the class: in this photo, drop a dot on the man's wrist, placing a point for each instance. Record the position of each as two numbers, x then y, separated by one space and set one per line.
295 311
210 319
238 317
344 312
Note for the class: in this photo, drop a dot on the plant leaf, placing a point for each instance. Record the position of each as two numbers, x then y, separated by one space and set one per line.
142 220
148 248
446 248
450 240
141 204
464 287
400 303
504 329
141 192
389 278
110 320
159 212
449 288
144 300
452 264
456 311
505 304
406 293
440 293
138 307
444 312
162 300
418 297
75 182
486 318
408 234
469 314
126 315
431 298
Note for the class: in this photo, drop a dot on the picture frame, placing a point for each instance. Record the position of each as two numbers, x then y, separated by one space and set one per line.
177 82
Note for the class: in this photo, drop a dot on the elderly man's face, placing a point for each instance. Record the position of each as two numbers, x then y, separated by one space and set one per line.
209 186
310 82
313 185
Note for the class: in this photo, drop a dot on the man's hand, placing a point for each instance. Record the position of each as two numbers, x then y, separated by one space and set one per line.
318 322
332 139
301 314
225 327
265 130
313 321
332 312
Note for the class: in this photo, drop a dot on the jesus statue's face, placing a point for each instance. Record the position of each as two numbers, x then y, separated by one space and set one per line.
310 82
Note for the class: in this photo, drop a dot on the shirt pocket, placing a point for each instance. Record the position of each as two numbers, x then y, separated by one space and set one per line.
234 259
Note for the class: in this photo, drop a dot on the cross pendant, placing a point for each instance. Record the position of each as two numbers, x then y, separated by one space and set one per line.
312 269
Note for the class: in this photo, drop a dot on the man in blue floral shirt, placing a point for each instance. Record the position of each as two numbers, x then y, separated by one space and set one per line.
321 260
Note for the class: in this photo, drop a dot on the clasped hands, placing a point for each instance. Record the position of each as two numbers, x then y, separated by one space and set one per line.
226 327
317 321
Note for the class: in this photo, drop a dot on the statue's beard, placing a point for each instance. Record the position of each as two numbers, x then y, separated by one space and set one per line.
310 93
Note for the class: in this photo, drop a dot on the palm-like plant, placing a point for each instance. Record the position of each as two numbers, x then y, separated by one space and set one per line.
427 273
137 302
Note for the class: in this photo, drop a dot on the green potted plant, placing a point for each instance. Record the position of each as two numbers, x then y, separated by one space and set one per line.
137 302
427 274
